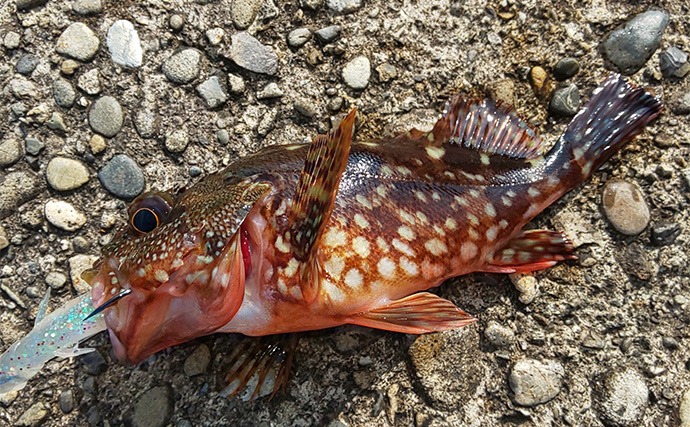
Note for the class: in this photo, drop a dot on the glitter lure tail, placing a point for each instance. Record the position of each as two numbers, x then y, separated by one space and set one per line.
54 335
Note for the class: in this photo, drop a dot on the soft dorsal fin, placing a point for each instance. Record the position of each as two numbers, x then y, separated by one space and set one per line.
488 126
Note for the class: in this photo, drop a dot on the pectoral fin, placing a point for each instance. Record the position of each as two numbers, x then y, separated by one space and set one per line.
416 314
530 251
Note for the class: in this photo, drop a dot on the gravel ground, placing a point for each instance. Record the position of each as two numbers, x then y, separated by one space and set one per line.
103 99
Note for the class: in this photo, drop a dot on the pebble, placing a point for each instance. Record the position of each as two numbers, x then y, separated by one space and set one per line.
670 343
298 37
145 123
29 4
248 53
328 34
176 141
90 82
176 22
97 144
16 189
87 7
623 399
527 285
271 90
23 88
4 242
55 280
69 67
94 363
105 116
122 176
33 416
11 40
64 174
565 100
357 72
311 4
684 409
665 233
215 35
182 66
6 399
12 295
64 93
537 78
386 72
63 215
625 207
629 47
243 12
335 104
195 171
78 41
503 90
10 152
344 6
81 244
223 136
305 108
93 416
197 362
682 104
672 63
124 44
566 68
56 122
77 265
498 335
27 64
154 407
534 382
66 400
236 84
212 92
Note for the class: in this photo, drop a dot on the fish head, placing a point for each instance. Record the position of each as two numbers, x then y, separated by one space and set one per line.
181 259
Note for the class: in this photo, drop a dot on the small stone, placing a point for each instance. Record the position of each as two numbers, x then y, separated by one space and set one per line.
328 34
628 48
236 84
90 386
298 37
16 189
566 68
356 73
63 215
311 4
124 44
622 398
81 244
387 72
223 136
105 116
29 4
344 6
33 416
665 233
684 409
93 416
77 265
63 93
625 207
12 295
502 90
154 407
195 171
94 363
87 7
670 343
6 399
534 382
56 122
682 104
248 53
27 64
215 35
197 362
183 66
97 144
498 335
64 174
145 123
122 177
176 141
69 67
537 78
23 88
66 400
10 152
4 242
305 108
55 280
11 40
243 12
176 22
565 100
90 82
270 91
212 92
78 41
527 285
672 63
335 104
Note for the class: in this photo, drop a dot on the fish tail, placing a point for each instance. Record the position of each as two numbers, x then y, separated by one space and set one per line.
616 113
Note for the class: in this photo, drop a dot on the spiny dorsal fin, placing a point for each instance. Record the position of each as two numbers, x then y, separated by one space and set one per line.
318 186
488 126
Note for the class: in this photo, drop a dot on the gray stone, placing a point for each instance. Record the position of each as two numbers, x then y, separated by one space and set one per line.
176 141
183 66
628 48
498 335
78 41
344 6
665 233
66 400
248 53
63 93
357 72
11 40
243 12
195 171
33 146
29 4
236 84
27 64
56 122
87 7
305 108
23 88
625 207
94 363
10 152
622 397
69 67
311 4
145 123
223 136
122 177
16 188
684 409
386 72
565 100
4 241
90 82
33 416
81 244
176 22
64 174
298 37
89 386
12 295
93 416
566 68
63 215
213 92
534 382
154 407
335 104
105 116
124 44
682 104
328 34
674 63
215 35
55 280
270 91
197 362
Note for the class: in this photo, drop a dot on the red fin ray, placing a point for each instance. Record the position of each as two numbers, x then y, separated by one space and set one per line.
531 250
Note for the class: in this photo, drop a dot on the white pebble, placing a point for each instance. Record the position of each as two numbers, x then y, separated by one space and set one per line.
124 44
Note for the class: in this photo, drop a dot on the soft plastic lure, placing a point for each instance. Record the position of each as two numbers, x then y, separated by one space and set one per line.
57 334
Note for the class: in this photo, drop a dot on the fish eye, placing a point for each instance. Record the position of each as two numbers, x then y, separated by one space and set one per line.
144 220
149 211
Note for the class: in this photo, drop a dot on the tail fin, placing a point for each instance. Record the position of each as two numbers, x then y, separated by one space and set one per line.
615 114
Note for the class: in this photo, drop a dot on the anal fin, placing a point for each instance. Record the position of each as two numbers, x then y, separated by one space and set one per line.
530 251
416 314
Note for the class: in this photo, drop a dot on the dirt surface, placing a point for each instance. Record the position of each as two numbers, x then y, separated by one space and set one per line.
608 332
